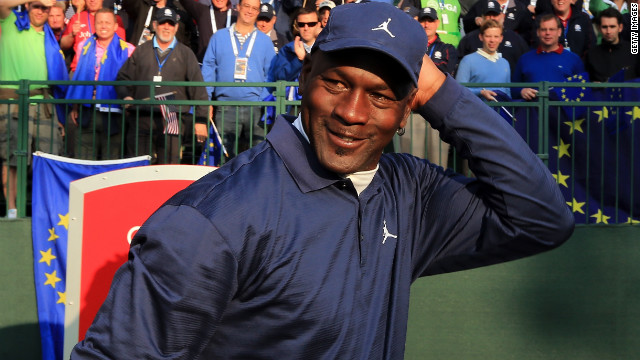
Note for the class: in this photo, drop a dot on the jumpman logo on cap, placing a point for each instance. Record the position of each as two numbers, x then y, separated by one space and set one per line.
385 26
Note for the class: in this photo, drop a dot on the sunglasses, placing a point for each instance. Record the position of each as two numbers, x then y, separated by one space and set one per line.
40 7
310 24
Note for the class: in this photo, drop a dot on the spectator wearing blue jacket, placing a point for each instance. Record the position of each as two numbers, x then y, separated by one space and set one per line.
288 63
239 53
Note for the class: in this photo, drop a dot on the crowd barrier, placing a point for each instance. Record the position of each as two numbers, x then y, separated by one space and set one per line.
585 133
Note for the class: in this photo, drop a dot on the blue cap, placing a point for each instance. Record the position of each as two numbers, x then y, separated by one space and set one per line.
376 26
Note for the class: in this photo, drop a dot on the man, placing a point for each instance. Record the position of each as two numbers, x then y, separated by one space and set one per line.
512 45
82 26
516 17
449 13
306 246
265 22
162 59
56 19
28 50
141 17
324 10
445 57
100 58
614 53
486 65
288 63
209 19
240 53
549 62
577 30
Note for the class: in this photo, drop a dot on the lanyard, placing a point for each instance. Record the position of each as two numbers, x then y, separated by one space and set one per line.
566 32
161 64
213 19
235 47
433 46
89 21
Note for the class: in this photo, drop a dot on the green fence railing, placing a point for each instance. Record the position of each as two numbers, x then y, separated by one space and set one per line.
544 124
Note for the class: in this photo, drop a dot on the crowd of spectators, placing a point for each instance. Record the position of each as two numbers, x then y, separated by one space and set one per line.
258 41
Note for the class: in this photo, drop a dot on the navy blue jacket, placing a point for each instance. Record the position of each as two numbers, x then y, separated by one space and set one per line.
273 257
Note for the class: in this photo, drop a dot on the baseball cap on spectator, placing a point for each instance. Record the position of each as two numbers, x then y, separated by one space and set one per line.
326 3
375 26
166 14
492 7
266 12
429 13
411 10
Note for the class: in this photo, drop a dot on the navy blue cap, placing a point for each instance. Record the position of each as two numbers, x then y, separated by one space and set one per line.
429 13
492 7
376 26
166 14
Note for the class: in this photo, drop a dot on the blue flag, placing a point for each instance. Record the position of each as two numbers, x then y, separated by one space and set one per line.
50 225
212 153
593 157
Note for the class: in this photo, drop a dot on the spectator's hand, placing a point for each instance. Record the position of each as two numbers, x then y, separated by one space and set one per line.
48 3
488 94
126 106
73 115
76 28
430 80
529 93
201 132
478 20
61 128
531 8
298 47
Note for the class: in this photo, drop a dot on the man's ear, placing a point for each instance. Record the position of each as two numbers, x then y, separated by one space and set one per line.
304 73
154 26
407 110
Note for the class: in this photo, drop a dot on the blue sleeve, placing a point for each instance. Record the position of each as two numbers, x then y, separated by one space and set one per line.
286 65
269 60
209 65
463 75
149 294
511 209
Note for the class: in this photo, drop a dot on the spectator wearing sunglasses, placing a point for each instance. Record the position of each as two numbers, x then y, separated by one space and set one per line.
288 63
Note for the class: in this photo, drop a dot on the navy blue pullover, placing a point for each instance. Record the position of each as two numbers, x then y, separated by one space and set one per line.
273 257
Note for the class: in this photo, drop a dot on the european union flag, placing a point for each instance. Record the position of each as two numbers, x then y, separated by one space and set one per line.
212 153
592 159
50 225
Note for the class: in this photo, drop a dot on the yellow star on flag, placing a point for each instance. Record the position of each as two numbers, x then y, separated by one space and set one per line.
561 179
576 206
635 113
632 221
600 217
123 44
52 234
563 149
86 48
52 279
575 125
62 297
47 257
64 220
602 114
